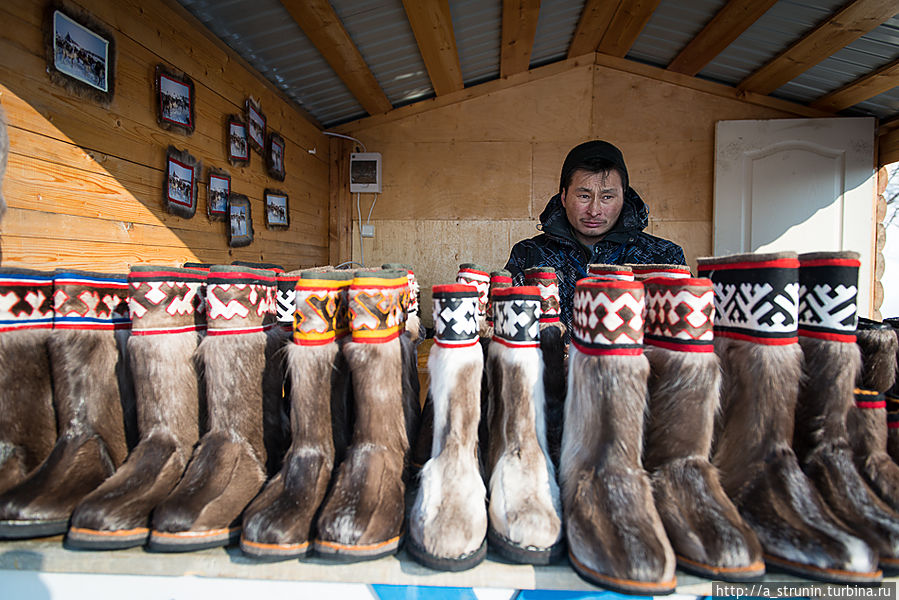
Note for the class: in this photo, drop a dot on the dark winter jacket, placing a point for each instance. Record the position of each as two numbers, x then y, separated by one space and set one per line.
557 247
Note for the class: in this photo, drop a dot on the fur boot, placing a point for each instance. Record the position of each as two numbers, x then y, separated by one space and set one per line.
227 468
477 276
892 399
448 521
412 303
278 523
93 400
27 420
525 510
362 517
867 420
756 313
619 272
615 536
643 272
554 349
707 533
166 329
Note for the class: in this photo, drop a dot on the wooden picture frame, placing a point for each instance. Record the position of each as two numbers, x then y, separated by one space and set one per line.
256 126
181 181
80 53
277 209
237 142
218 189
240 221
274 156
175 100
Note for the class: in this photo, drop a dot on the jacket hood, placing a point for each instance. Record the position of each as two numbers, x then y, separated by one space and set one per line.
633 219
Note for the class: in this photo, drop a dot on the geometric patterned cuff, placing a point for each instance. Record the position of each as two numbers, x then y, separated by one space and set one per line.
828 293
680 314
455 315
87 300
317 301
642 272
26 299
374 301
608 317
516 314
620 272
165 300
545 279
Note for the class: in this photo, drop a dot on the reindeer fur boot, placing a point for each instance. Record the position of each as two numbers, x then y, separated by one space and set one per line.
477 276
27 420
227 468
615 536
93 400
278 523
448 520
867 420
707 533
362 517
756 314
165 331
525 510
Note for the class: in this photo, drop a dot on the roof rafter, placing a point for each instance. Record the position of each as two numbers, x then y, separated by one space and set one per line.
882 80
629 20
592 25
432 25
519 28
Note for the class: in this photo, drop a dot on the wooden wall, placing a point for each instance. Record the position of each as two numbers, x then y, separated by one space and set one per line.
84 183
464 180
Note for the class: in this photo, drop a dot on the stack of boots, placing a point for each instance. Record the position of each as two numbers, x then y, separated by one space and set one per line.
867 419
362 517
756 314
619 272
27 420
165 330
644 272
554 349
827 324
448 520
227 468
92 398
477 276
525 510
707 533
615 536
278 522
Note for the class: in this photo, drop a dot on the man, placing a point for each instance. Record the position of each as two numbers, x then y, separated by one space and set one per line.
595 218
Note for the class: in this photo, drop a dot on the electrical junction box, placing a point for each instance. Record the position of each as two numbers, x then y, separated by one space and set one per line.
365 172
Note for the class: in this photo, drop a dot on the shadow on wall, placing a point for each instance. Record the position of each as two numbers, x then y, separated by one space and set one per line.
20 576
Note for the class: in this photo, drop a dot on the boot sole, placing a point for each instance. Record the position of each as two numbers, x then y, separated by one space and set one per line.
624 586
821 574
17 530
439 563
95 539
521 554
274 551
734 574
357 553
188 541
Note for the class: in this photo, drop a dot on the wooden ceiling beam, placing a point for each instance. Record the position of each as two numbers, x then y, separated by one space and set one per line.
629 20
882 80
323 28
432 25
728 24
850 23
592 25
519 29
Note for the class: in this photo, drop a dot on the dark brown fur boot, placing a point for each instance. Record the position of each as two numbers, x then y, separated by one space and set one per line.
707 533
615 536
166 328
227 469
525 512
93 400
362 517
756 314
448 520
892 399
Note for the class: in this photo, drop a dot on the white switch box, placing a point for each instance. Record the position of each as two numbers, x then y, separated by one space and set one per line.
368 231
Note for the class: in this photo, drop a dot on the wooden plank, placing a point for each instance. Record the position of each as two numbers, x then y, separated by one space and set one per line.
629 20
727 25
519 28
340 243
432 26
850 23
592 25
882 80
888 148
323 28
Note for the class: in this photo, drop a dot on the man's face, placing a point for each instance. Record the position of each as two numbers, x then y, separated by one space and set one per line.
593 203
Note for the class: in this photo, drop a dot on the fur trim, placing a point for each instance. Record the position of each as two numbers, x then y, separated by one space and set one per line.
879 348
868 436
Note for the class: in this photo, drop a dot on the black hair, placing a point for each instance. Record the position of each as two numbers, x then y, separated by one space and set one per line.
595 156
594 165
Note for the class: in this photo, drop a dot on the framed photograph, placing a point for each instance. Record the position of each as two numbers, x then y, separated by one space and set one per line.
237 142
274 156
182 172
174 100
240 230
217 191
277 213
256 126
80 53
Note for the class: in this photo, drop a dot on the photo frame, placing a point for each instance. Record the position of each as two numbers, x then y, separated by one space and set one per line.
274 156
240 221
256 126
218 189
277 209
237 142
80 53
179 190
175 100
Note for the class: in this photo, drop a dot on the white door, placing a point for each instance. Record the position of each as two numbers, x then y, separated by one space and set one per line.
797 184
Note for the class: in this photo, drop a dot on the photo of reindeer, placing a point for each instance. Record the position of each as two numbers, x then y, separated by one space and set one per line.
276 211
238 221
238 146
174 101
181 183
217 195
79 52
256 125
